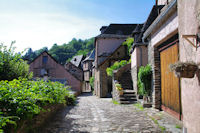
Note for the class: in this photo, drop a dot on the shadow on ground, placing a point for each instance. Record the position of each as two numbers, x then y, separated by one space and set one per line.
63 122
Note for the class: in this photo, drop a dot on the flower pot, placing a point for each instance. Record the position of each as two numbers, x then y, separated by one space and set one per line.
186 71
121 93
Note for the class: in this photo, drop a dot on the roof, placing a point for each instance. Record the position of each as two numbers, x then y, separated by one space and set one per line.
119 29
47 54
110 55
111 36
160 17
141 28
76 60
90 57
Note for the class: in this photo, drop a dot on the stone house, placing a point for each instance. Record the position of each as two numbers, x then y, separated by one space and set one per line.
173 37
106 82
76 60
106 43
87 71
74 70
139 51
45 65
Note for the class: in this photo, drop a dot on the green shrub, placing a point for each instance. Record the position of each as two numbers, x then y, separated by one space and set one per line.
129 42
23 99
11 64
116 66
92 82
144 80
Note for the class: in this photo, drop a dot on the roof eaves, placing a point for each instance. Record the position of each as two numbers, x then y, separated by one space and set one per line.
163 14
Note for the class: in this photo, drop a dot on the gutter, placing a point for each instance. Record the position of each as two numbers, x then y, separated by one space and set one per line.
159 19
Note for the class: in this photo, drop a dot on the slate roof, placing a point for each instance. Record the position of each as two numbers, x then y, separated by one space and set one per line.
90 57
76 60
119 29
141 28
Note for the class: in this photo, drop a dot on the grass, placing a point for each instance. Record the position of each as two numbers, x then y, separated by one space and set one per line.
156 122
115 102
139 106
178 126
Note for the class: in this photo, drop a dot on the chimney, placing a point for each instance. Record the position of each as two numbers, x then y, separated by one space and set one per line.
103 28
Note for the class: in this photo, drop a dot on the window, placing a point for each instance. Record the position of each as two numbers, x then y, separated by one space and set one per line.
44 59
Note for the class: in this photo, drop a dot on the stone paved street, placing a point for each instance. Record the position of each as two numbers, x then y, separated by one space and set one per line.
92 114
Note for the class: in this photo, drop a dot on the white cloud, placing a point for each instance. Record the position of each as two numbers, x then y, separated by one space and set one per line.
37 30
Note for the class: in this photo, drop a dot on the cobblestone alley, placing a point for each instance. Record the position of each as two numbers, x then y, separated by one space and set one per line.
92 114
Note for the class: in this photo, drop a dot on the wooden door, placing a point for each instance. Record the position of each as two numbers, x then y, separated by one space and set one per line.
170 91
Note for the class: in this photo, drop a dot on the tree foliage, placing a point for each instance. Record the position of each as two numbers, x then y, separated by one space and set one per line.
64 52
11 64
116 66
144 80
22 99
129 42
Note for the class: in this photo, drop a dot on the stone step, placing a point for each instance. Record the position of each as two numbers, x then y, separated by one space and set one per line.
129 92
128 99
129 95
127 102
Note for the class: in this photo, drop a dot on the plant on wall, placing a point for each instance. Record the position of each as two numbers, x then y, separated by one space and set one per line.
184 69
144 80
129 41
92 82
116 66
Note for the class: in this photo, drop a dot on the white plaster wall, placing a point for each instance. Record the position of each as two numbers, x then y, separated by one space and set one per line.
108 45
170 26
190 88
134 58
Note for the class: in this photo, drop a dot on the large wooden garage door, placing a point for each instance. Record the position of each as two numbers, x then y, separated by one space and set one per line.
170 91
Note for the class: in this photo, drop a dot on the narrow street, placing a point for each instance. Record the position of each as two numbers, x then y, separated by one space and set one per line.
92 114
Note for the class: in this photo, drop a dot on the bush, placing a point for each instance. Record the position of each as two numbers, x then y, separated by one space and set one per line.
92 82
129 42
11 64
116 66
144 80
23 99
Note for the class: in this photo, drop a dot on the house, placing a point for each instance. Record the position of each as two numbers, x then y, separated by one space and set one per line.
45 66
139 52
87 71
174 36
76 60
106 43
74 70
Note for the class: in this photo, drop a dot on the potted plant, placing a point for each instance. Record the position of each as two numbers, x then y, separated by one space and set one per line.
184 69
119 88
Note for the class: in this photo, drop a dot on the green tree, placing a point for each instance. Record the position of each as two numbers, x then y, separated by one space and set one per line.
11 64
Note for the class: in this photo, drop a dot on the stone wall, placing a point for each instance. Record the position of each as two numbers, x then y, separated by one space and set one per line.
56 71
139 57
115 93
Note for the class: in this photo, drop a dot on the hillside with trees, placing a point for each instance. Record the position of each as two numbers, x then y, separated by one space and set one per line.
64 52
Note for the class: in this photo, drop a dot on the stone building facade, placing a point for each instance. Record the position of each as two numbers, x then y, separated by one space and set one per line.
169 32
106 81
46 65
74 70
106 43
139 52
87 71
162 29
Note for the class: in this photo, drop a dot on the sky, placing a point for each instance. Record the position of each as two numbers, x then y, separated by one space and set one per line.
39 23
